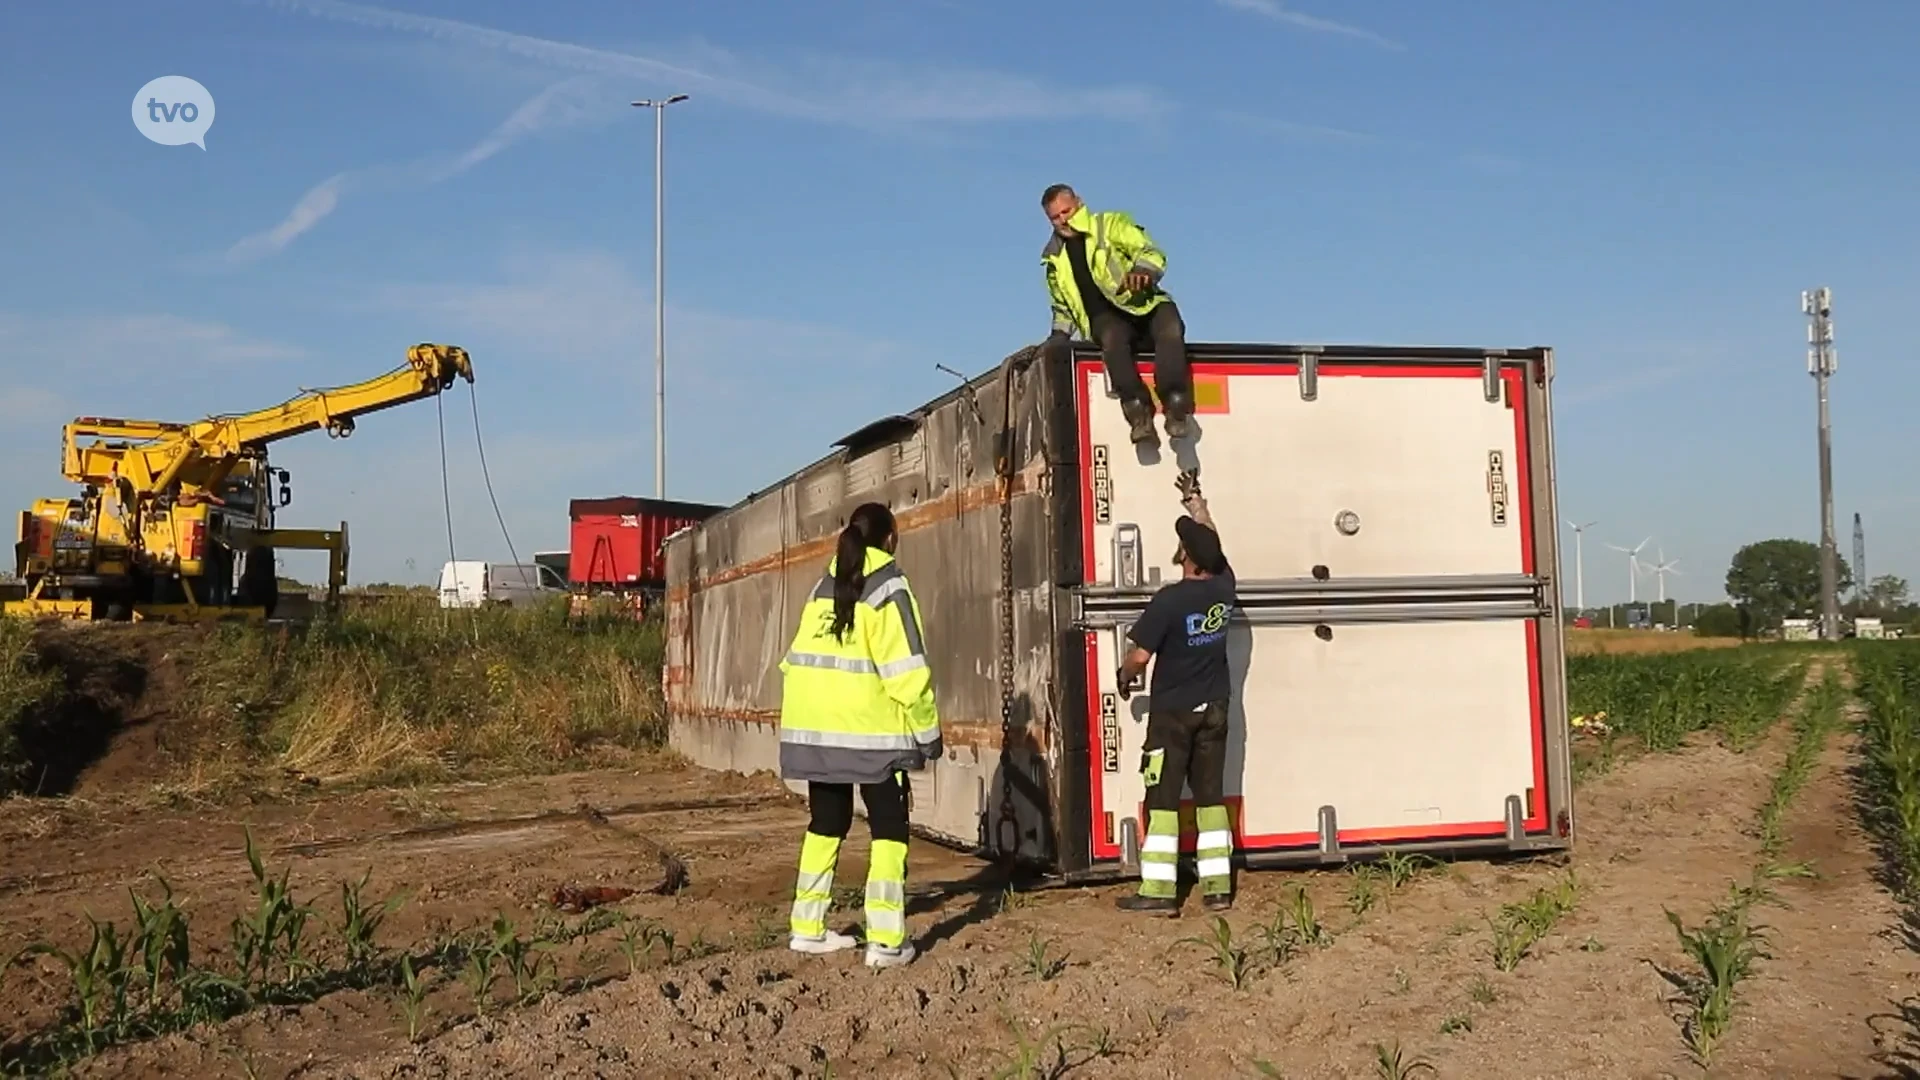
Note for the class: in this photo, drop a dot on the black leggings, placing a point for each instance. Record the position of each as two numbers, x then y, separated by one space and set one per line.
887 802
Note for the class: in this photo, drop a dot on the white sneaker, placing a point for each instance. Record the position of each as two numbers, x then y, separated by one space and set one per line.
834 941
879 956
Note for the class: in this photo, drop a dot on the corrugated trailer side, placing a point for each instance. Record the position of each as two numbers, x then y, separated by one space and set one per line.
736 583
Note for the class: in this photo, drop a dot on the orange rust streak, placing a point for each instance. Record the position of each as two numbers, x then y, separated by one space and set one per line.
926 514
972 734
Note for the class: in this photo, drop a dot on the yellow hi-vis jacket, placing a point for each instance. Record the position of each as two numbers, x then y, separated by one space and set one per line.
1116 247
855 712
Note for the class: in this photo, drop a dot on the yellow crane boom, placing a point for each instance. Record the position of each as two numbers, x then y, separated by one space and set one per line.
170 453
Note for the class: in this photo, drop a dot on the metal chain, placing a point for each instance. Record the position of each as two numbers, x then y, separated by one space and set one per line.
1009 826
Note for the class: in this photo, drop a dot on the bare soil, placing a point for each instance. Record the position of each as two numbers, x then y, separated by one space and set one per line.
1056 978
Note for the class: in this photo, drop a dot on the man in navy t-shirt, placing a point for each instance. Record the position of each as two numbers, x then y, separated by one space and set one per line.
1184 632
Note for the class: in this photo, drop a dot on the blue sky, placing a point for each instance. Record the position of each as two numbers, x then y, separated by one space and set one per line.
852 198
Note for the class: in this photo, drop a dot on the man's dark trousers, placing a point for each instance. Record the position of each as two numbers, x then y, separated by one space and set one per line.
1123 336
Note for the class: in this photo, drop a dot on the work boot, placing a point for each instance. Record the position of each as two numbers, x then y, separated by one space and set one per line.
1179 407
879 956
1217 901
1151 905
1139 416
830 942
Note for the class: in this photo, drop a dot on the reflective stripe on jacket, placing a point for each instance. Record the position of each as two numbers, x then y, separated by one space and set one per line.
854 712
1116 247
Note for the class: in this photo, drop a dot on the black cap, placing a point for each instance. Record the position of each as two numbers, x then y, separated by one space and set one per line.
1201 544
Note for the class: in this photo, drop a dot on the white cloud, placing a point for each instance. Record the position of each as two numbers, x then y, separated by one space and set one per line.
1273 9
829 90
34 344
587 311
569 103
1296 130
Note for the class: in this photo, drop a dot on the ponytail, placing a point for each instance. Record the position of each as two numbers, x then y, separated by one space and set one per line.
870 525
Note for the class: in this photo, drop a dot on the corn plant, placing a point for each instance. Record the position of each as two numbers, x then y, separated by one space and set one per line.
1230 958
1523 924
1360 893
160 941
1888 683
413 997
1816 720
1723 948
270 937
1039 964
359 923
1401 869
99 976
1307 928
1390 1063
1659 700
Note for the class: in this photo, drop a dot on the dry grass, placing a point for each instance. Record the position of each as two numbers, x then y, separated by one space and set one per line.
390 692
1599 640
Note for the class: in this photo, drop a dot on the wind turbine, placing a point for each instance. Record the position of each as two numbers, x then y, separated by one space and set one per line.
1633 567
1660 570
1579 565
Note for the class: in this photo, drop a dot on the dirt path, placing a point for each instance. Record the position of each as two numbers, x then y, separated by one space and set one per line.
1829 1001
1130 1000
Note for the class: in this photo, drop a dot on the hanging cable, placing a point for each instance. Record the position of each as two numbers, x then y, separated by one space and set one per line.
481 447
446 496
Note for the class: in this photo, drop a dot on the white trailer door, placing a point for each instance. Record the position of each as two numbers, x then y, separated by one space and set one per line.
1381 516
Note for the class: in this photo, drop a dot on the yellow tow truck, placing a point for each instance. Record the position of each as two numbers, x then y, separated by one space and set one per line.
175 522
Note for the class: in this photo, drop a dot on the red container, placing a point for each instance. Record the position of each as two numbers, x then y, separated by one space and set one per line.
614 543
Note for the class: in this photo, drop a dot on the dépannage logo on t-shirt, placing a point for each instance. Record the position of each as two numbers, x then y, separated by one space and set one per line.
1206 627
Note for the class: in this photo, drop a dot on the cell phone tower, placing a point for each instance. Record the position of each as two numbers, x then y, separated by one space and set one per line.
1817 305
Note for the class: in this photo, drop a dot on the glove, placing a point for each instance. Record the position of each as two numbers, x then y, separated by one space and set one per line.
1125 684
1188 484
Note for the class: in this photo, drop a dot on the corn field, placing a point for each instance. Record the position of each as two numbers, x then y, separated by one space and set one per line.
1658 699
1887 680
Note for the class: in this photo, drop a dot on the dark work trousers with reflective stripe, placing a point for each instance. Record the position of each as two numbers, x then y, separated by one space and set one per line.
1193 749
887 808
1122 337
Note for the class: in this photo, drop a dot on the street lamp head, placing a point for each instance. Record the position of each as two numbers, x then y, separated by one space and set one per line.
650 103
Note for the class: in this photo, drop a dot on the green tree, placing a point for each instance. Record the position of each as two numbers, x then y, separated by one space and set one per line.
1778 579
1718 620
1886 594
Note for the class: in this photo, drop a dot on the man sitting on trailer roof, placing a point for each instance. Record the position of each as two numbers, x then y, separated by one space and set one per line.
1184 632
1103 276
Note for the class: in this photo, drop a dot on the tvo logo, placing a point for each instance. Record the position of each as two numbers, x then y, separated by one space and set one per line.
174 110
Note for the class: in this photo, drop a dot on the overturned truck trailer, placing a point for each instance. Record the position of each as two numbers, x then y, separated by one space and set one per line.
1399 680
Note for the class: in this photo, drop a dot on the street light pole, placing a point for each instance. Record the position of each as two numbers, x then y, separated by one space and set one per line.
659 107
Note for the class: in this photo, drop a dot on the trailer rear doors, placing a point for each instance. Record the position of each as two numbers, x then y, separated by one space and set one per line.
1398 677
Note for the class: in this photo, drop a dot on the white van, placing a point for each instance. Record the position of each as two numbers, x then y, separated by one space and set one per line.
467 584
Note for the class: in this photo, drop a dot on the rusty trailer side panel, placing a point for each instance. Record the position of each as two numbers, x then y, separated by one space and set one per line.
737 581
